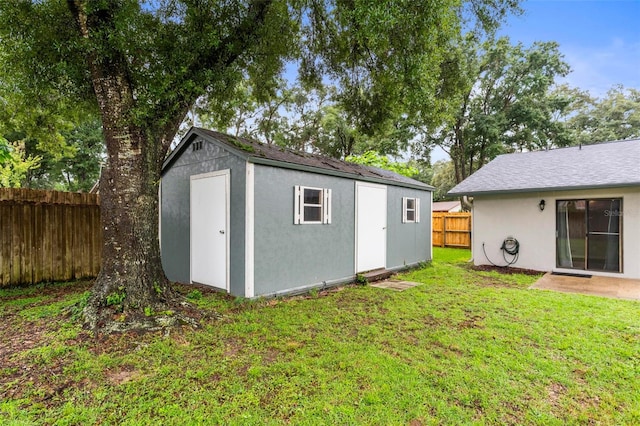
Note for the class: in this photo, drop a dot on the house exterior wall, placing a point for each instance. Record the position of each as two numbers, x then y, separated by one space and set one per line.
407 243
497 217
175 214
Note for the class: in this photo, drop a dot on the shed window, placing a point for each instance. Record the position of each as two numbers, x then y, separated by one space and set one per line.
410 210
312 205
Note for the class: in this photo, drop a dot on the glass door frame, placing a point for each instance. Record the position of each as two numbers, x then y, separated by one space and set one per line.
588 233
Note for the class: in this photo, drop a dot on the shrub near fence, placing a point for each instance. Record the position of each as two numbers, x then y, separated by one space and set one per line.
48 236
451 229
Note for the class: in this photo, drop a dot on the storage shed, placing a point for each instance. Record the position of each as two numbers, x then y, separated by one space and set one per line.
255 219
571 210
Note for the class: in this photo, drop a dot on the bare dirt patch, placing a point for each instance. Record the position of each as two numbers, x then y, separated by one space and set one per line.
473 321
494 281
18 371
555 392
30 356
505 270
122 375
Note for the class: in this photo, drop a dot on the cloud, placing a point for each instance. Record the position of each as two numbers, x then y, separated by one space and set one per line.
597 69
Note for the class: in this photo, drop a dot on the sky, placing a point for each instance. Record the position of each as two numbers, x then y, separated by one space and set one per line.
600 40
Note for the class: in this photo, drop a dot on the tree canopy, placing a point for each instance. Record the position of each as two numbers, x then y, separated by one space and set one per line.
500 100
615 116
143 65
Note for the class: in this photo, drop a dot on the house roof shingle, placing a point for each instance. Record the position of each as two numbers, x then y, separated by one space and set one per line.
261 153
608 164
444 206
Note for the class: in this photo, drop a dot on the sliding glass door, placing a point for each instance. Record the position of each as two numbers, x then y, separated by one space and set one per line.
588 234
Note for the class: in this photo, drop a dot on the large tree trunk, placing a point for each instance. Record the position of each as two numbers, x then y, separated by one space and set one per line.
131 287
131 290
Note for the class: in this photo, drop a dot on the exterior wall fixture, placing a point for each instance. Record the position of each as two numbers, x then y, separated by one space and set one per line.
541 205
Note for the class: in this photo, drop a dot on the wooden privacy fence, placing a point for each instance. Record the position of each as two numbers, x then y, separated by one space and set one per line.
451 229
48 236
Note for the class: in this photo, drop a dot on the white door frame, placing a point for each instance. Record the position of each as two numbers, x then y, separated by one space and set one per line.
226 173
384 248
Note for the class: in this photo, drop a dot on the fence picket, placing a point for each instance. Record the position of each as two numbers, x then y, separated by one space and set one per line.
451 229
48 236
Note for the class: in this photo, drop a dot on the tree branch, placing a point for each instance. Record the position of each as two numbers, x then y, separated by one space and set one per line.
239 40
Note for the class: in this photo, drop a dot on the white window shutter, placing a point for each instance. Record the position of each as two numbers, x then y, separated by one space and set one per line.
297 204
417 210
404 209
327 205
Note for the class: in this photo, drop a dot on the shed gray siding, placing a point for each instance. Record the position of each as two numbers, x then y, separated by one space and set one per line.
285 257
175 212
407 243
289 256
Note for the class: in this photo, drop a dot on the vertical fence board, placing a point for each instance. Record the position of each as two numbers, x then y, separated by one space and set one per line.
36 247
96 240
27 243
4 252
56 243
451 229
7 252
68 241
48 236
2 261
16 245
79 245
48 226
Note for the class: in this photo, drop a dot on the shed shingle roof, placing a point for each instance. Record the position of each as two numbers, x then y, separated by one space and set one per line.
609 164
259 152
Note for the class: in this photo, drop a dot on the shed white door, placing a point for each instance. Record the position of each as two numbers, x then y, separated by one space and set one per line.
209 229
371 226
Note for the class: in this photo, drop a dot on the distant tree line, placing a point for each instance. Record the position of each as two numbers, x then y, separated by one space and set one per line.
491 97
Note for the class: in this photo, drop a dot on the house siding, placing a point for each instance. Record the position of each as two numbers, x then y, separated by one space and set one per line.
289 256
407 243
496 217
175 213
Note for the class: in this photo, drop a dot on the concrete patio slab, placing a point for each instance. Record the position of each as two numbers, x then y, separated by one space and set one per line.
396 285
617 288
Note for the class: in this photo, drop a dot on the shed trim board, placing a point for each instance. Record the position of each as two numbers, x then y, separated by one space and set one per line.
249 266
205 239
371 226
431 236
160 215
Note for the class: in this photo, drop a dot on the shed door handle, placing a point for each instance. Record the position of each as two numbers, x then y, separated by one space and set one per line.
222 231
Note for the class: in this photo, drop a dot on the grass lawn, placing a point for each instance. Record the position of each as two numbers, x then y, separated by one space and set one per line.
463 347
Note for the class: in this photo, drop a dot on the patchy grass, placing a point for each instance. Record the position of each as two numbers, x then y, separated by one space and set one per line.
463 347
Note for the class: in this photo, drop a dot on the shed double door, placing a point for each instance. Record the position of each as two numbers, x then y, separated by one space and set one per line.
371 226
209 229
